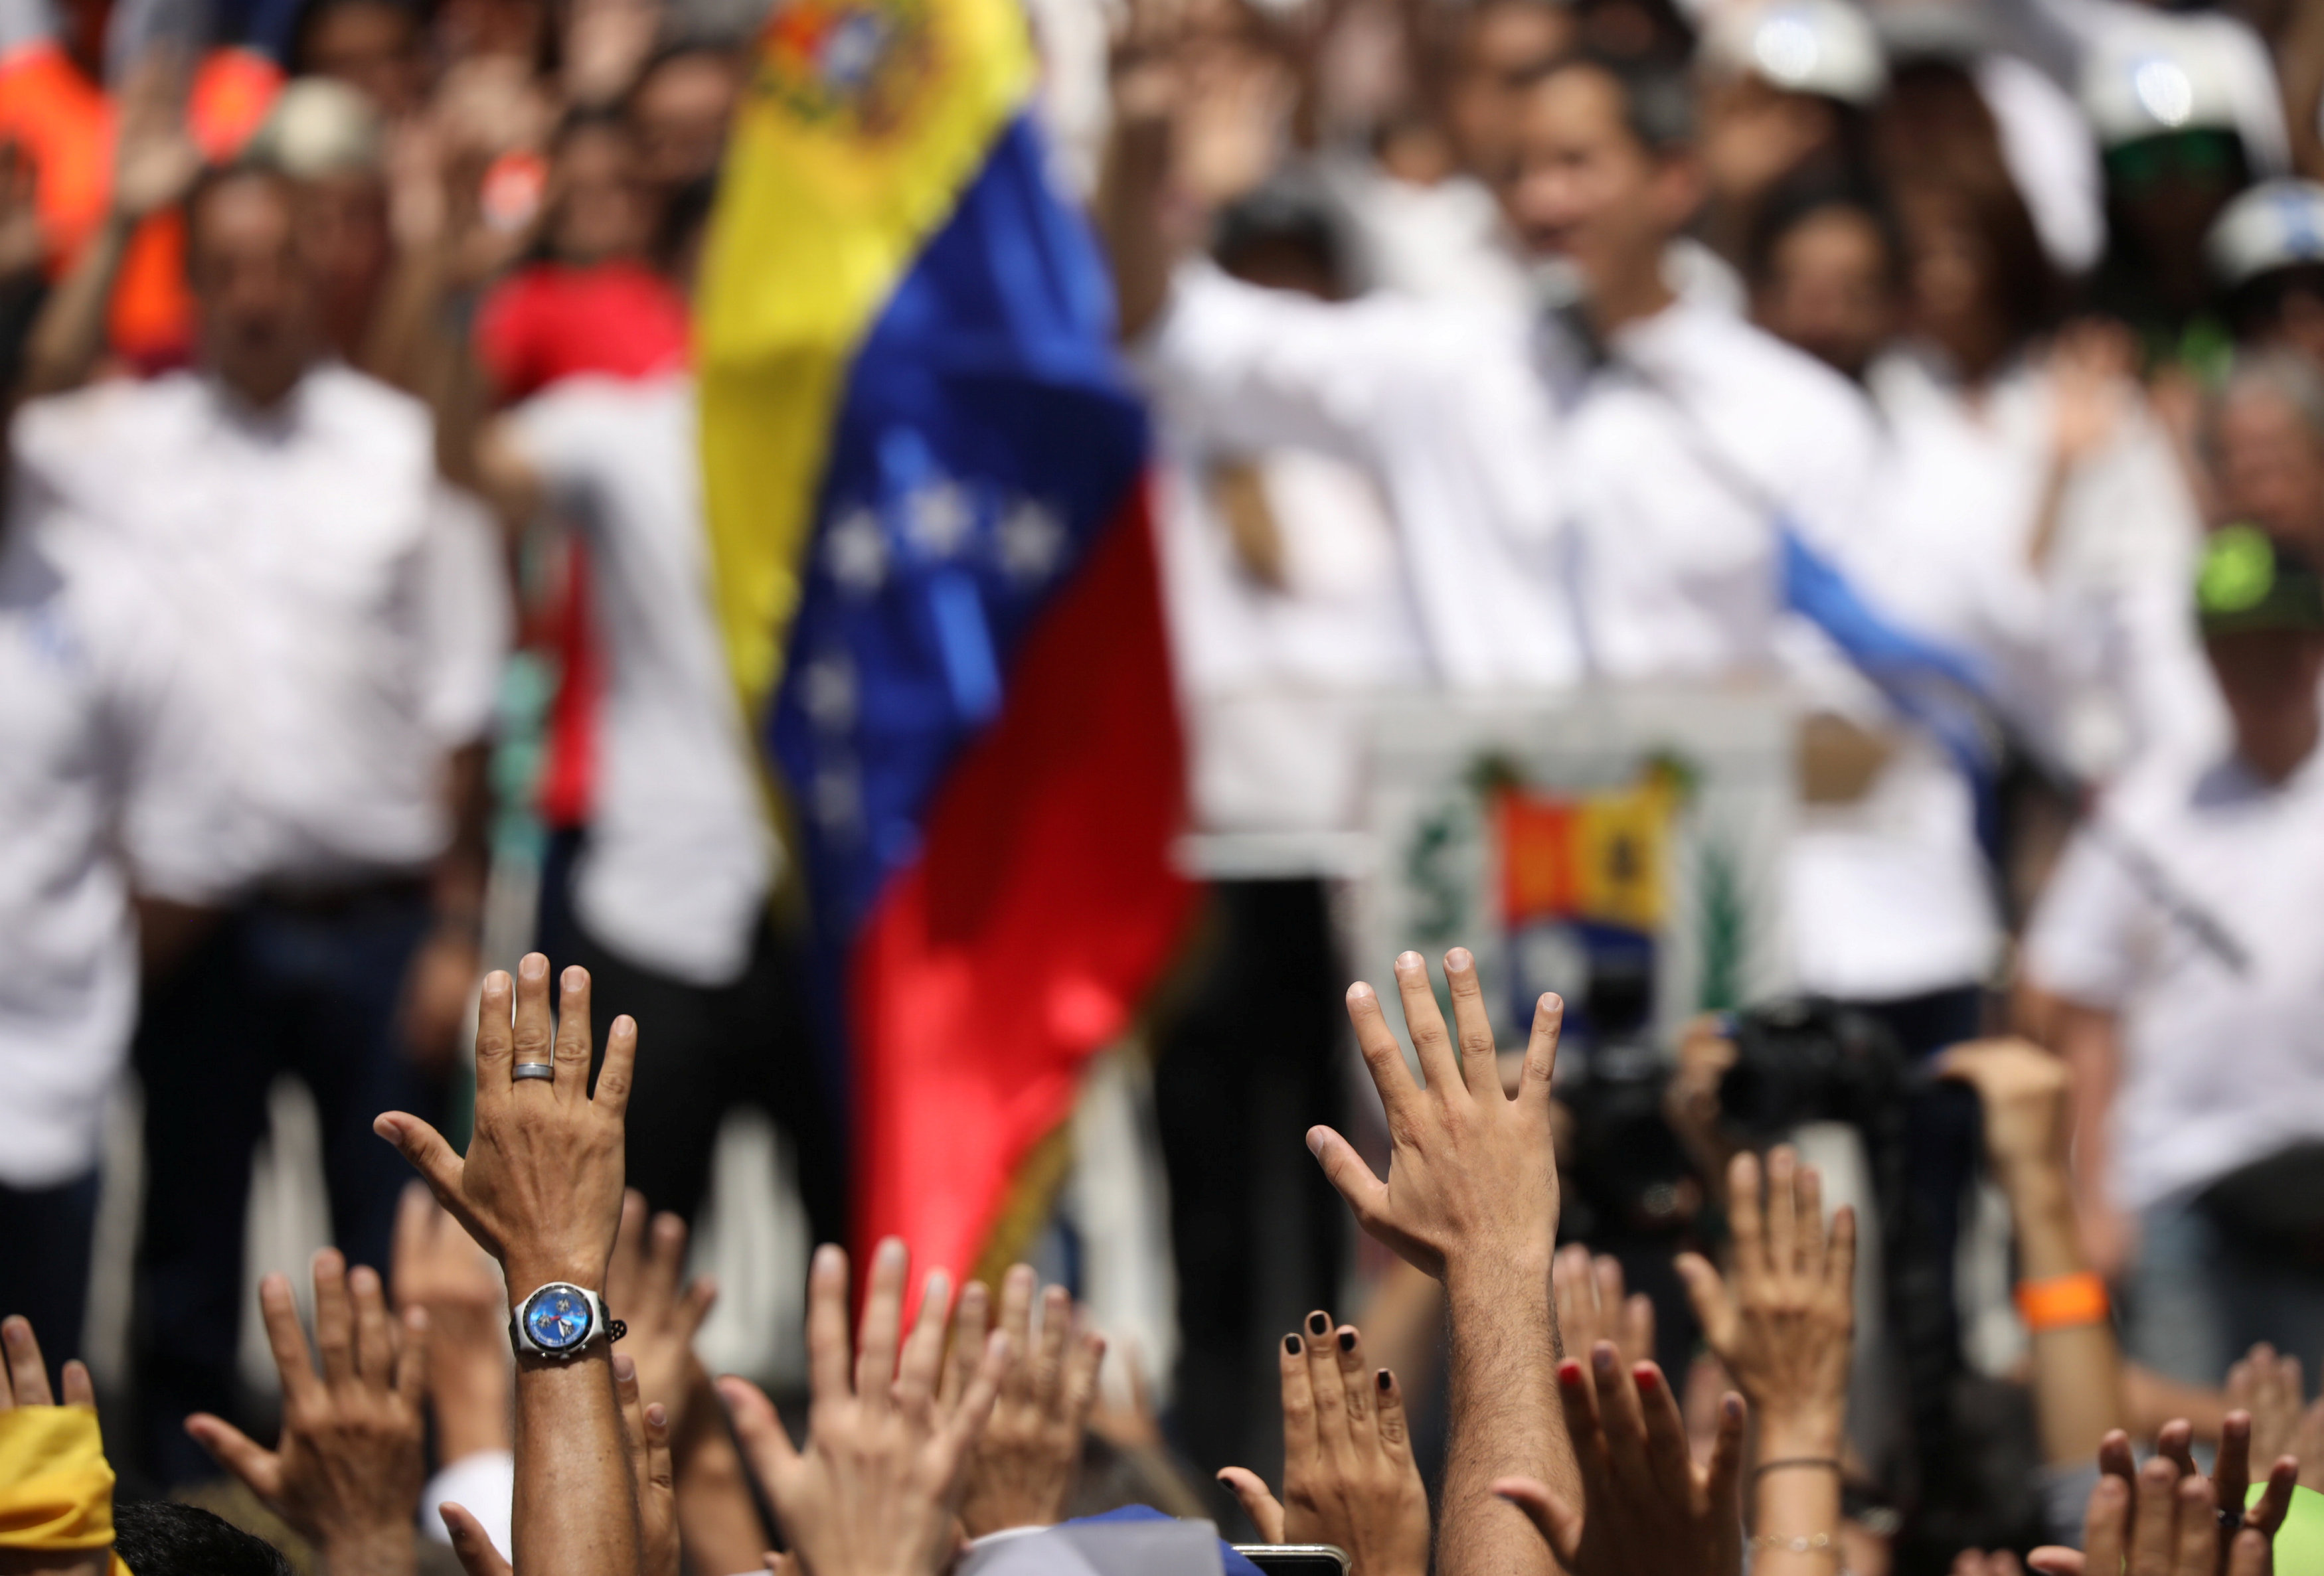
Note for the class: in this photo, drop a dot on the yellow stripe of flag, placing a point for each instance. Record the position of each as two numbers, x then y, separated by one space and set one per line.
863 121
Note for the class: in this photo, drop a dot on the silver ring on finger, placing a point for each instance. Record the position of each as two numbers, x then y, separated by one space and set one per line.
524 1070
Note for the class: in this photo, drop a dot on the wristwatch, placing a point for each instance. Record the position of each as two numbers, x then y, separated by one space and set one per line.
559 1319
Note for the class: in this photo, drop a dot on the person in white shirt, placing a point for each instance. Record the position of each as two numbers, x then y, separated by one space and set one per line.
103 789
669 889
2179 936
345 617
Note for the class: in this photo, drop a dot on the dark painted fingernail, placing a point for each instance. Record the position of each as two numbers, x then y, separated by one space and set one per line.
1318 1325
1387 1379
1291 1344
1347 1341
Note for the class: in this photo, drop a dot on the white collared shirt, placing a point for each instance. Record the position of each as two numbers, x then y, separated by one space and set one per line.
675 872
105 763
2218 1068
1439 405
347 612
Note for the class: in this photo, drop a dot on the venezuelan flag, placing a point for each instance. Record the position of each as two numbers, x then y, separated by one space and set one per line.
926 483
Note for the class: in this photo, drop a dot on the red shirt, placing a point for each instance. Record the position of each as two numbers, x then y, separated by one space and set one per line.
545 322
551 320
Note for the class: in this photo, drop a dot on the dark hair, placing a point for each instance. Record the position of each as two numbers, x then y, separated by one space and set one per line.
1657 100
1802 196
1935 137
161 1538
1289 209
311 19
684 216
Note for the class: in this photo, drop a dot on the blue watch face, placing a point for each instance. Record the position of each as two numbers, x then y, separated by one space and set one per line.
557 1318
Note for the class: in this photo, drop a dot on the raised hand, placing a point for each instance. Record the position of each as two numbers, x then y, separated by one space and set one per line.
28 1385
540 1189
1473 1176
1022 1467
875 1489
2133 1501
2268 1385
348 1472
1646 1509
647 1283
155 161
1591 1306
1784 1326
2169 1526
1348 1473
437 1267
645 1426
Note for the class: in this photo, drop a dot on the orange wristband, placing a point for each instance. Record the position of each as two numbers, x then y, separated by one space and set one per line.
2063 1302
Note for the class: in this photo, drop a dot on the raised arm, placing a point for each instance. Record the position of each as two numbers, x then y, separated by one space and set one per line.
540 1189
1783 1324
154 164
1471 1198
2077 1368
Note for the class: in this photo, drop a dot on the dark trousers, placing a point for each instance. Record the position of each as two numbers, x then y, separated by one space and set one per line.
703 1050
45 1236
1250 1061
314 991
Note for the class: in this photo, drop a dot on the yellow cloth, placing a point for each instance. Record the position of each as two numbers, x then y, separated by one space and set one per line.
56 1487
864 121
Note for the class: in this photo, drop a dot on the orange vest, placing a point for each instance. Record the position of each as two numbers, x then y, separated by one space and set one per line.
65 123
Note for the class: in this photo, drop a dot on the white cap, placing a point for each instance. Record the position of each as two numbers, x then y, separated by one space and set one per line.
2157 75
318 126
2277 223
1824 47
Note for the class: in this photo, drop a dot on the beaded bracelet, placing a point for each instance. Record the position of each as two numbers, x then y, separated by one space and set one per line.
1811 1543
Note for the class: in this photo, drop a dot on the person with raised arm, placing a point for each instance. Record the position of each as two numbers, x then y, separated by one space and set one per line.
1022 1468
1348 1479
2077 1383
1783 1324
1471 1198
875 1491
540 1189
346 1473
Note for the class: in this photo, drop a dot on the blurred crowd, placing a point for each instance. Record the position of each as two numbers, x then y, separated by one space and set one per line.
1953 370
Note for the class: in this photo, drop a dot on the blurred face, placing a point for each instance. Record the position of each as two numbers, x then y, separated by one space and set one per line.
1503 45
2166 190
1587 190
2271 471
343 232
372 48
1827 289
602 207
1951 280
254 287
680 113
2268 677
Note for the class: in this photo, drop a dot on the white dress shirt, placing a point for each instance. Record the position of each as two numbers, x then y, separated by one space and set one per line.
347 614
1439 405
2218 1068
675 871
1274 680
104 764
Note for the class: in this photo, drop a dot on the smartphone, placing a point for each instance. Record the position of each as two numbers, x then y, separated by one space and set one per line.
1297 1559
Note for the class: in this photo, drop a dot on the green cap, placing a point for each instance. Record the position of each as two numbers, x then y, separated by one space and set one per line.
2299 1541
2250 581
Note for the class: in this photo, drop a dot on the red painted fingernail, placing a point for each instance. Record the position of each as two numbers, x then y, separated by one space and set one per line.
1569 1371
1646 1377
